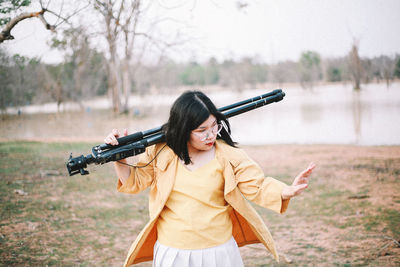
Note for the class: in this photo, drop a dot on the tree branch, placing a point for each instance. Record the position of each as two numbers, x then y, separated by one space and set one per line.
5 34
46 24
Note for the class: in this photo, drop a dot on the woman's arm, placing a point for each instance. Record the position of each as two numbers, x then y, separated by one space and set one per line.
252 183
266 191
133 179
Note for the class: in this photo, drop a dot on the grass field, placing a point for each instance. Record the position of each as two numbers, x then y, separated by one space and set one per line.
349 216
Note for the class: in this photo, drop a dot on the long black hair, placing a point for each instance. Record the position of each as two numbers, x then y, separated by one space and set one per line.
187 113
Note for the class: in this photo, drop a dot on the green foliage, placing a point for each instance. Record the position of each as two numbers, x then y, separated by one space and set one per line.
310 59
4 21
58 43
5 81
7 7
258 73
310 69
83 72
228 73
212 75
193 74
397 68
334 74
26 80
17 79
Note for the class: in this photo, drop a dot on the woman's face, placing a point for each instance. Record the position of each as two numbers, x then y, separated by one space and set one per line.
204 130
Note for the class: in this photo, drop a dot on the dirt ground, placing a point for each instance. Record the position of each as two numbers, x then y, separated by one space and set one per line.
349 215
363 185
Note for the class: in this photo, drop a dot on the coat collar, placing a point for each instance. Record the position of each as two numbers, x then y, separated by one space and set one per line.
221 154
168 155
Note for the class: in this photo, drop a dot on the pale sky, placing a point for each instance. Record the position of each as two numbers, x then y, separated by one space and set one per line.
272 30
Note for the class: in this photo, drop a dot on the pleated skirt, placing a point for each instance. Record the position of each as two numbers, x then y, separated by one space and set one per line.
225 255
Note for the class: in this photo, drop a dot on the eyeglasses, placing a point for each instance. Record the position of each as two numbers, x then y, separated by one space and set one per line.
216 129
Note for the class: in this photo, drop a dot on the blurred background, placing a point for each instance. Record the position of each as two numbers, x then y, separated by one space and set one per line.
70 71
73 70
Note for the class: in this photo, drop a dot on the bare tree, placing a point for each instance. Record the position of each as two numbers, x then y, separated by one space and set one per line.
111 12
284 71
77 55
52 86
129 29
121 21
355 66
15 11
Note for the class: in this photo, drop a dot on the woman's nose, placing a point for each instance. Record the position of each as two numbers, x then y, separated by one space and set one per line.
210 133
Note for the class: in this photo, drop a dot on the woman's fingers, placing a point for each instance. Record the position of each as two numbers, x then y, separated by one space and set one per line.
300 183
303 176
299 188
311 167
309 170
293 190
112 137
303 180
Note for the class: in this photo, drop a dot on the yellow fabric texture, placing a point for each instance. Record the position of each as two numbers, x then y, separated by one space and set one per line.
196 215
244 180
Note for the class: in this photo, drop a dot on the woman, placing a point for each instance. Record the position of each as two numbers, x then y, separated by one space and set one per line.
199 186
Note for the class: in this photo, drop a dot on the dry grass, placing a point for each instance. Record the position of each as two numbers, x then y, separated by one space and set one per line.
349 216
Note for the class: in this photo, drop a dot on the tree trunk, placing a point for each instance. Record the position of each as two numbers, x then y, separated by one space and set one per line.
126 84
78 74
355 67
59 94
113 85
113 28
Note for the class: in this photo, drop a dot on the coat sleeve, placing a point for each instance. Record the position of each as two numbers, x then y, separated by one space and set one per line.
141 176
252 183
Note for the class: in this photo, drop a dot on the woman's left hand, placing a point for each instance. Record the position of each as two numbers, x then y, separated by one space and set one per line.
299 184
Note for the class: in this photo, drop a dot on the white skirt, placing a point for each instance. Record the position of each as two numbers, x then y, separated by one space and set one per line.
225 255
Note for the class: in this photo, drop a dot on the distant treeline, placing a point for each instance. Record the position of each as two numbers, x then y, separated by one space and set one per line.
84 75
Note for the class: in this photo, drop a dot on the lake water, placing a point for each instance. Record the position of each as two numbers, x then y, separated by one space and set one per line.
330 114
327 115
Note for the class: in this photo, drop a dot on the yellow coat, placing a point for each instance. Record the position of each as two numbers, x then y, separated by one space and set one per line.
244 180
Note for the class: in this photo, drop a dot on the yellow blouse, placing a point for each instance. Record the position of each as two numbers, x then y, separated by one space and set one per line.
196 214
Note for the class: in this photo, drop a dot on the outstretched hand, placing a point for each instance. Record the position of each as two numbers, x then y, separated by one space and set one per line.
299 184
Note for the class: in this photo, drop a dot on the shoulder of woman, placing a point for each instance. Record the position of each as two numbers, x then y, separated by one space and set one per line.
161 153
157 148
230 152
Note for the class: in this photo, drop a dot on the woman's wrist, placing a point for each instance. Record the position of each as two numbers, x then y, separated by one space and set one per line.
285 194
123 170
